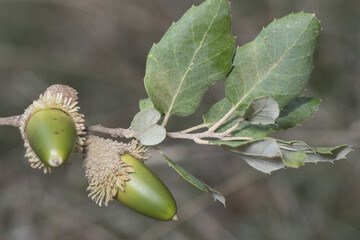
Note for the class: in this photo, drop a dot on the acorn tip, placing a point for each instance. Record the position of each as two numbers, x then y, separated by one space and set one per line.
55 161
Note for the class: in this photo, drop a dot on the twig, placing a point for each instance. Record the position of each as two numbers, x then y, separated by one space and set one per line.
11 121
114 132
224 118
166 119
192 136
230 130
236 138
199 137
200 126
203 142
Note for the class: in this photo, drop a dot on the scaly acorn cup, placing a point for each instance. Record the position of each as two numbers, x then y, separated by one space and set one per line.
52 128
114 171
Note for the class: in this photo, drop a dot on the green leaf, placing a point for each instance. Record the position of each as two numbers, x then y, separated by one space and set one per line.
145 127
194 54
146 104
262 111
193 180
297 111
269 154
278 63
218 110
294 159
324 150
234 143
254 130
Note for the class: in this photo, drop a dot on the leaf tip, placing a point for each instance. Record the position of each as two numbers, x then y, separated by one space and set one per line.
217 197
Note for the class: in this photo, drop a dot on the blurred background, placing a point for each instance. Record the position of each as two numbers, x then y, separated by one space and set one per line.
99 47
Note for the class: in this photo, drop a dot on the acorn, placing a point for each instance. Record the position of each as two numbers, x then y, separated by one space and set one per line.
52 128
115 171
145 193
52 136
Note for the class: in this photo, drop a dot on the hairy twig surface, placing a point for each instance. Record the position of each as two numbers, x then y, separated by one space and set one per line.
200 137
114 132
11 121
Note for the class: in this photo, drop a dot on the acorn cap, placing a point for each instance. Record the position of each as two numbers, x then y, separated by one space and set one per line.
104 169
59 97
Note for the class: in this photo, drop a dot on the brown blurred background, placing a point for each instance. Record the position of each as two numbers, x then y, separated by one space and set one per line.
99 47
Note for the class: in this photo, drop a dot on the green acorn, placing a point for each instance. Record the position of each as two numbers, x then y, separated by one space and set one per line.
145 193
52 128
114 172
52 136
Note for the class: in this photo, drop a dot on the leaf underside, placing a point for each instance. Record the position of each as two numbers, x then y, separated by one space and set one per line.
269 154
262 111
145 127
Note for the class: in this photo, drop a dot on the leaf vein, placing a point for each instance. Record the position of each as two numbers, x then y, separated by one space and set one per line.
189 67
270 70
